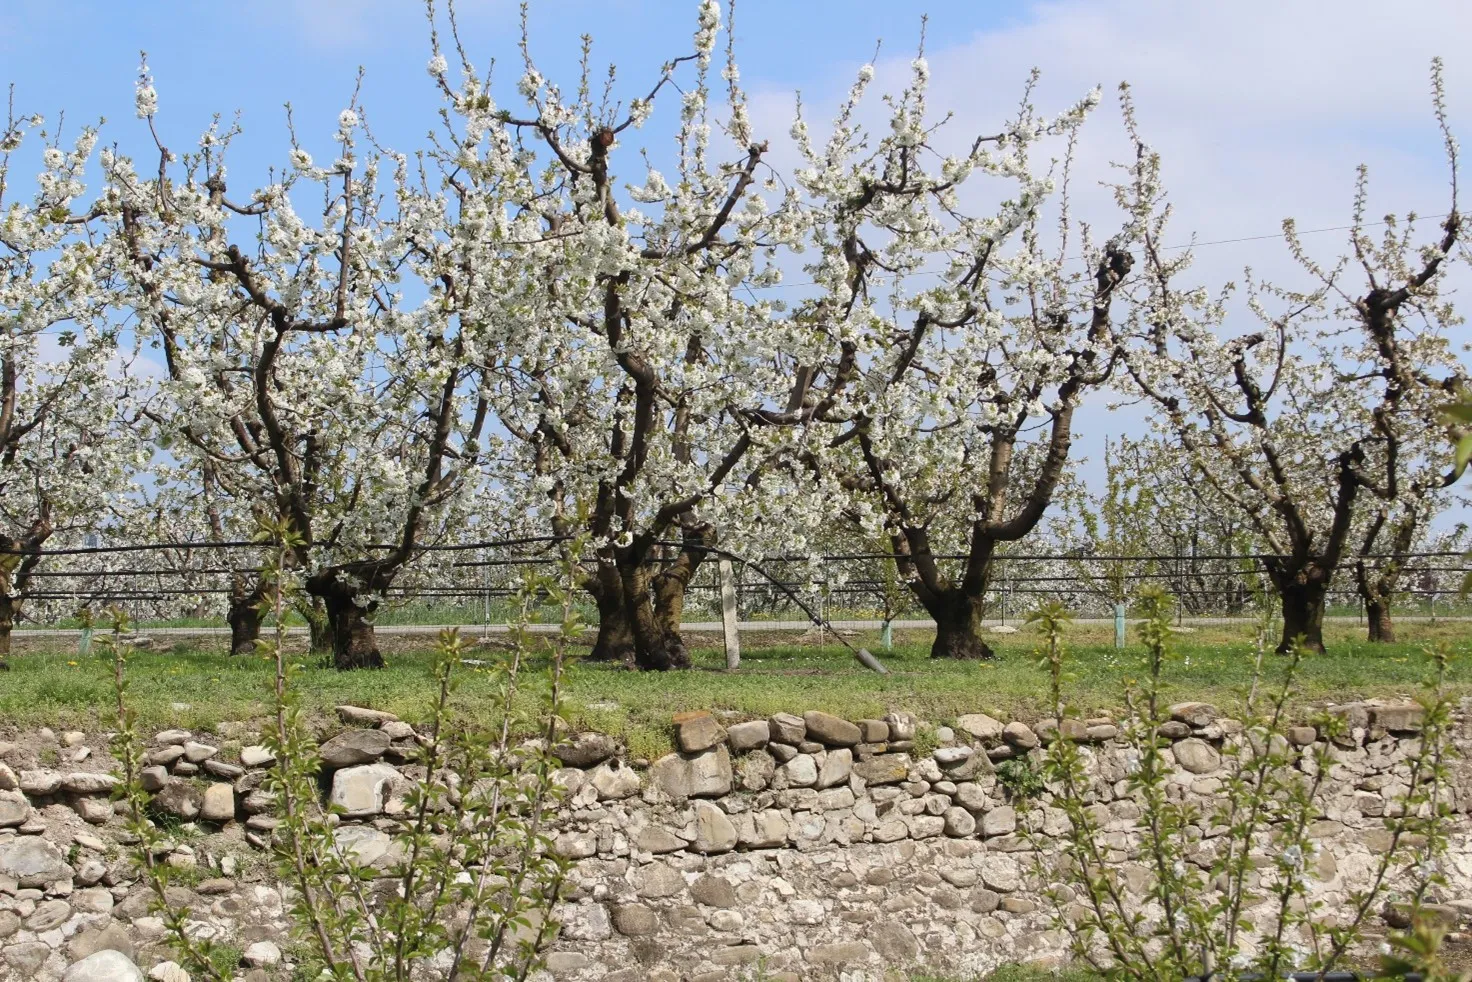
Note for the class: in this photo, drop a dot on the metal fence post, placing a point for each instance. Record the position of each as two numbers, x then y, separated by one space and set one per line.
728 615
485 578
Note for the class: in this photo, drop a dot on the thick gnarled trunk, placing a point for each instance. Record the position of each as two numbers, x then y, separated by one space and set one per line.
319 628
1303 615
957 626
615 642
1376 587
18 559
349 609
669 587
354 645
1381 627
245 616
639 617
9 611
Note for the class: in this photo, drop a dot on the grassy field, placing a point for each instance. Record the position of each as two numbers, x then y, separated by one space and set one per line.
189 685
1019 973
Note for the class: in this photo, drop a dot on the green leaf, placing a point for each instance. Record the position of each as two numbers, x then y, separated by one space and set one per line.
1463 454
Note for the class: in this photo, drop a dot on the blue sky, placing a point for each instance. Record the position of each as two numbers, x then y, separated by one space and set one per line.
212 57
1262 109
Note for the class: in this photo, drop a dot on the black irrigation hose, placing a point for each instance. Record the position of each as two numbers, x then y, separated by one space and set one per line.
161 546
839 557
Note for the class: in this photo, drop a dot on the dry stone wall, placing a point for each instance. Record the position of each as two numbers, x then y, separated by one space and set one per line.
799 847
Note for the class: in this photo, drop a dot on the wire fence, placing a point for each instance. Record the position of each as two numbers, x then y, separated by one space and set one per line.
187 585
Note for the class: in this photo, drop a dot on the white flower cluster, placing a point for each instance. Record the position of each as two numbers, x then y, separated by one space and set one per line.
145 97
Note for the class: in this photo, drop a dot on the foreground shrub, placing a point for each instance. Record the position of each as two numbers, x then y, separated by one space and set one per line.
1228 889
469 888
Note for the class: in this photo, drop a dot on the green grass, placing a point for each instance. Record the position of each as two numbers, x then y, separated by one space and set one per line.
189 687
1018 973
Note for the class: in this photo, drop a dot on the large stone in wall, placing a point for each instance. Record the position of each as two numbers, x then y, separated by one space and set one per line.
358 716
363 845
352 747
799 772
658 880
614 780
86 782
702 775
179 798
713 830
26 958
14 809
837 766
104 966
38 783
829 730
713 891
884 769
653 839
585 750
1194 713
94 939
1403 718
362 791
761 830
999 821
981 726
218 804
634 920
894 942
787 728
751 735
695 732
585 922
1019 735
33 862
256 756
1197 756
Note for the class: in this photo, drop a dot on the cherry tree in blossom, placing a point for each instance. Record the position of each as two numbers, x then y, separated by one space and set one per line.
300 383
636 348
66 450
949 346
1322 423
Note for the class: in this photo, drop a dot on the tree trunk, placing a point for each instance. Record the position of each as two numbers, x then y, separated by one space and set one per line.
957 626
9 609
17 562
354 645
633 627
1303 615
245 617
615 641
318 626
669 603
1375 589
1377 614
